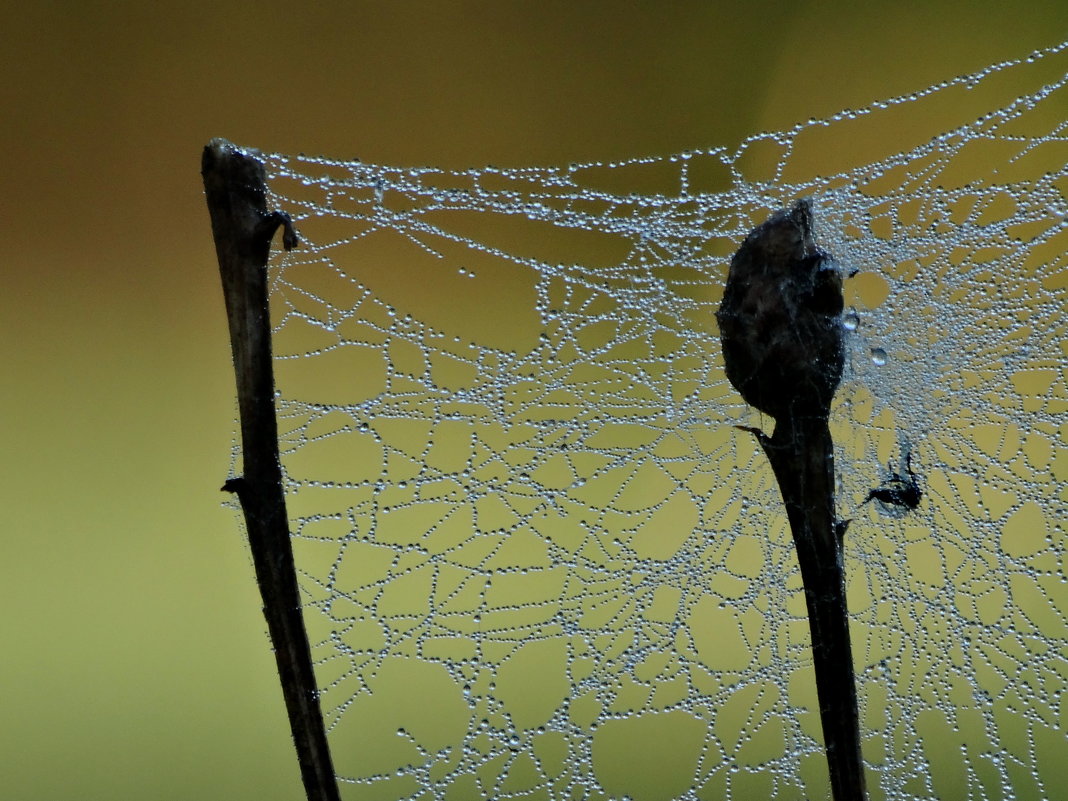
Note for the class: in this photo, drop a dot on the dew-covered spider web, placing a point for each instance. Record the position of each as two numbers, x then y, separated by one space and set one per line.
540 561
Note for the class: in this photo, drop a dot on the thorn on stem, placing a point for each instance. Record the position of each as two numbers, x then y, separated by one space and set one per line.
840 529
265 230
761 437
233 485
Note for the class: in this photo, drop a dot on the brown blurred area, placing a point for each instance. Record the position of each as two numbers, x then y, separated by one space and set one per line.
134 660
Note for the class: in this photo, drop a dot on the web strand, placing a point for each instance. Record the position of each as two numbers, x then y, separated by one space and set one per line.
537 558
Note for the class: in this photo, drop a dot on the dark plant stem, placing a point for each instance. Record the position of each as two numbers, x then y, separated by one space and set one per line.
235 184
781 331
802 456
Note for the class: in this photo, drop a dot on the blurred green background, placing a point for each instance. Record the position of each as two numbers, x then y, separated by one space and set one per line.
134 661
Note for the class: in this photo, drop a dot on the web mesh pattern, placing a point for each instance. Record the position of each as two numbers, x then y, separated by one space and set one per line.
539 561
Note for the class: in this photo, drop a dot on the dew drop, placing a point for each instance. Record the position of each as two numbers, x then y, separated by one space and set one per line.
878 356
850 321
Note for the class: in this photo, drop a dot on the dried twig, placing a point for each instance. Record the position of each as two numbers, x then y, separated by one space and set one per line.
234 181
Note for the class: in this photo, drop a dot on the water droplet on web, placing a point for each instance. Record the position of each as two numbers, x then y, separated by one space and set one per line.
659 517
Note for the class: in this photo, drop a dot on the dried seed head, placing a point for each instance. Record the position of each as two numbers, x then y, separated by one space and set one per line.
780 319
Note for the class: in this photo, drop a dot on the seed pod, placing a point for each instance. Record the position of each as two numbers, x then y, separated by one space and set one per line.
780 319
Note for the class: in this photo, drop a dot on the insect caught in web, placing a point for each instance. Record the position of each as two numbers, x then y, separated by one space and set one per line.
901 490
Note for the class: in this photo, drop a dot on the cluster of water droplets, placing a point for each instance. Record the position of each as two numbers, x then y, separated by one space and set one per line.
538 558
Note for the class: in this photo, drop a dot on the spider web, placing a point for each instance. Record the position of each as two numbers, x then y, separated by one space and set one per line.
539 560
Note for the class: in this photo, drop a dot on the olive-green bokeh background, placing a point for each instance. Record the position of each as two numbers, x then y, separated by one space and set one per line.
134 662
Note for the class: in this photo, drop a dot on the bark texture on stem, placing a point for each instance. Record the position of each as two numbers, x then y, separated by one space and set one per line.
235 185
